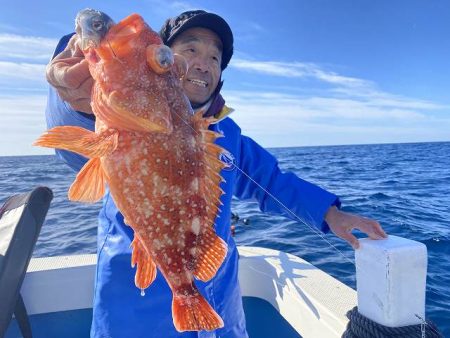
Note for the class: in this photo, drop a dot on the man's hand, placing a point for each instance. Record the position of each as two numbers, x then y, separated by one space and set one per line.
69 73
342 224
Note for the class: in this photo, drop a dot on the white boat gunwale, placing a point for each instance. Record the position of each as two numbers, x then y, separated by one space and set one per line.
313 302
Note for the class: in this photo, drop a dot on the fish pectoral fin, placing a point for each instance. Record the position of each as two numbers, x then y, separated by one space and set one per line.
193 313
210 256
117 111
146 268
80 140
89 185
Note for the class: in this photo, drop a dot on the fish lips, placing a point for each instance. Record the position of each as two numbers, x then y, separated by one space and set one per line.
87 42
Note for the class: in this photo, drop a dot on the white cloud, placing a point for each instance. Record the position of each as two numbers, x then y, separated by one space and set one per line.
279 119
23 120
35 48
343 87
333 107
22 71
298 70
22 61
380 98
246 31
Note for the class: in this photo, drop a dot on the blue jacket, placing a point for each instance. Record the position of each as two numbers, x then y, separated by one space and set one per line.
119 309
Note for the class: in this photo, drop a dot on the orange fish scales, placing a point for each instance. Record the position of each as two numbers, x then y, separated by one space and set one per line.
160 164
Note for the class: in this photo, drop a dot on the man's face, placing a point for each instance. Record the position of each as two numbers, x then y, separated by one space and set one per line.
202 49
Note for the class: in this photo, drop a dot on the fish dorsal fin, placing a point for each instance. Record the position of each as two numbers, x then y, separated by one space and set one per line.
212 252
89 185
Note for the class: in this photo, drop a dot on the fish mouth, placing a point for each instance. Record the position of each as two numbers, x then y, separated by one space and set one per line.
89 42
198 82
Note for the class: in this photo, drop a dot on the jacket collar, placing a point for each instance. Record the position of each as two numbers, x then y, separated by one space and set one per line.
216 108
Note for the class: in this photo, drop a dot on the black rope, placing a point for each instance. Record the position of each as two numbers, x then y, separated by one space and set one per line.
362 327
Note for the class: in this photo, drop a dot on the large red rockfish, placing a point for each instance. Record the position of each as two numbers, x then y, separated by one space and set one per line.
158 159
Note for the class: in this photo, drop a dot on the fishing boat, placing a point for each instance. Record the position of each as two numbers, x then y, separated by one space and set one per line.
283 295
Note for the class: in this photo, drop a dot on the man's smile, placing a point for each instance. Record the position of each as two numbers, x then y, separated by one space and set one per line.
198 82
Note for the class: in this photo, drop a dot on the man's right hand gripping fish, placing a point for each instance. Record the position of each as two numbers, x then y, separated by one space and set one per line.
157 157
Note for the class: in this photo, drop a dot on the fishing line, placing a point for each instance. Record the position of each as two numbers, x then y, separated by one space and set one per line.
313 229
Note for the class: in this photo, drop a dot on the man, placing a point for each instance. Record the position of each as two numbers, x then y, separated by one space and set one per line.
206 42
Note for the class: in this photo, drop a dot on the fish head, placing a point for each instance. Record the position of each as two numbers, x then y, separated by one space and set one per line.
132 68
133 35
92 26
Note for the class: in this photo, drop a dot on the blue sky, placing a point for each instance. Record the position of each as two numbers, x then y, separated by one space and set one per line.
317 72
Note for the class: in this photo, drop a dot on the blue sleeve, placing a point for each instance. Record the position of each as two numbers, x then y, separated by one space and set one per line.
60 113
275 191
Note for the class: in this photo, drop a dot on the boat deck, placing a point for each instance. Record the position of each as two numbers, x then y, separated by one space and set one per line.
263 321
283 296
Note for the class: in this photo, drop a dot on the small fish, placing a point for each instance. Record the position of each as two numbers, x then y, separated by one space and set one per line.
157 157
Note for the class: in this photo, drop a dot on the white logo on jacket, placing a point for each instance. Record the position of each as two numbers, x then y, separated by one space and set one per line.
229 160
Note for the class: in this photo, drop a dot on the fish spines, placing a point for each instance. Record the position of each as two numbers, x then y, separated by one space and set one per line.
210 255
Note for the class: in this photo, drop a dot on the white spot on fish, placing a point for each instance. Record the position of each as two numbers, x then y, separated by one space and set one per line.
192 142
156 244
196 225
128 164
194 184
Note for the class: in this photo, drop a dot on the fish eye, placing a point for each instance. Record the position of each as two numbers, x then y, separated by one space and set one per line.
165 56
97 25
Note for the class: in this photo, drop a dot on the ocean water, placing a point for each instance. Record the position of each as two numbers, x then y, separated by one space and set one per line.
406 187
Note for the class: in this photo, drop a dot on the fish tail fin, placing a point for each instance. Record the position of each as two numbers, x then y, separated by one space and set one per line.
210 256
193 313
89 185
146 268
79 140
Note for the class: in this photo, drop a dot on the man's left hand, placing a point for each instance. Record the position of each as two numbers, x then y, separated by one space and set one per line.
342 224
